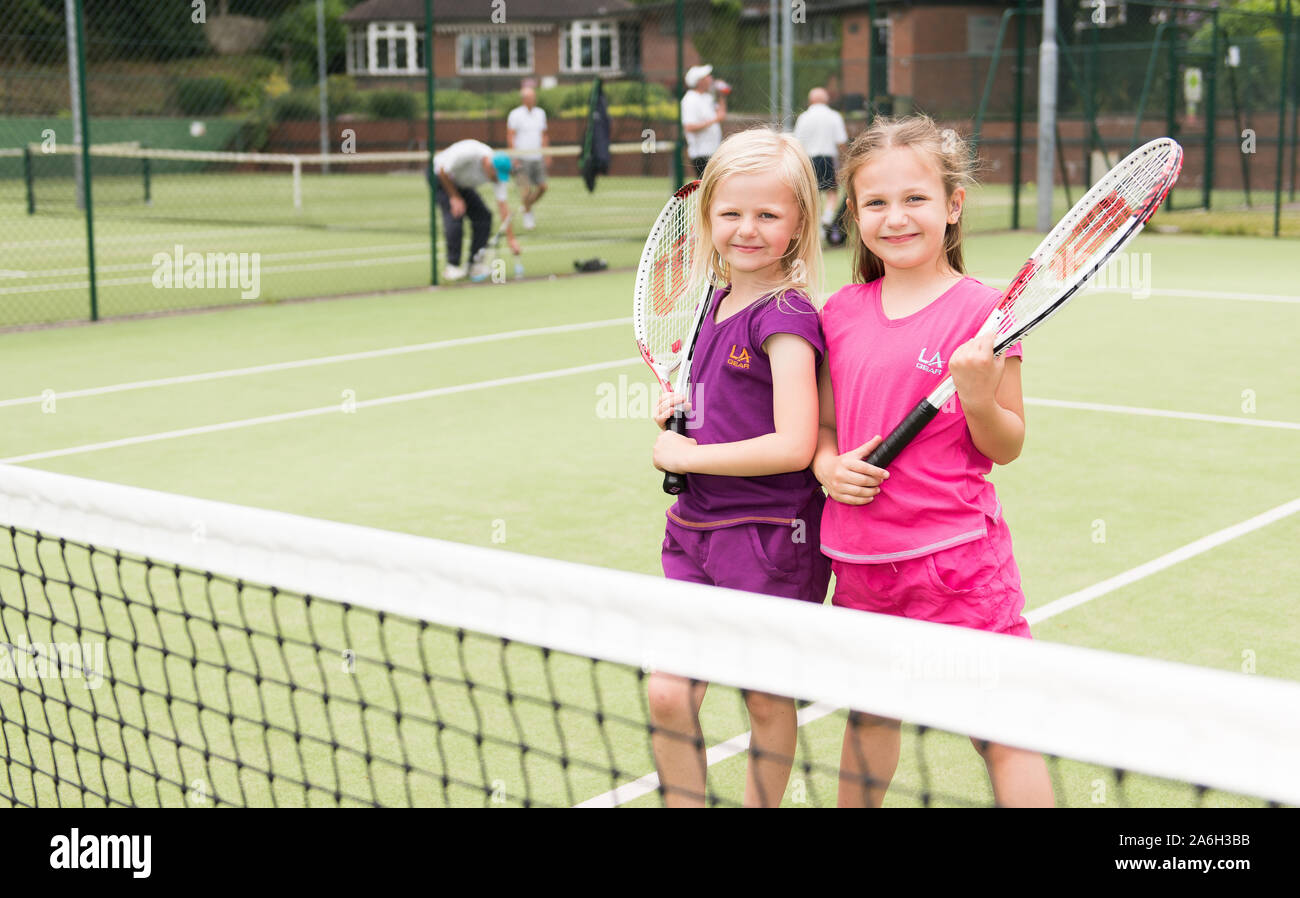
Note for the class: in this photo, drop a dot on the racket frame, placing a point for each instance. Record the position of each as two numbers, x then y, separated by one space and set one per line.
680 366
925 411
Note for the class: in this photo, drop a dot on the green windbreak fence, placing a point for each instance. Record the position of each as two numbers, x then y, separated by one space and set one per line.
286 143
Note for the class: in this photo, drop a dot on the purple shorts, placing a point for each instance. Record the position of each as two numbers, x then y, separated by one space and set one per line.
975 585
763 558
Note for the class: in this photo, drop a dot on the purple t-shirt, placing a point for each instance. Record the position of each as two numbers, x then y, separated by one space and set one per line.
731 400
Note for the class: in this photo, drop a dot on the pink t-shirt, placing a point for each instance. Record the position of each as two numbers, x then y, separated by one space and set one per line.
936 495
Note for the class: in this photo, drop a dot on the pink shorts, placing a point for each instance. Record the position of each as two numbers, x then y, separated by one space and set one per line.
975 585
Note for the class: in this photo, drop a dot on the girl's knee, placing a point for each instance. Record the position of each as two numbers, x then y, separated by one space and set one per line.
670 698
764 707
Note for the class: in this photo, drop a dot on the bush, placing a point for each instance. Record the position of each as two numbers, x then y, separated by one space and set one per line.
204 96
459 101
390 104
343 96
555 100
296 106
636 93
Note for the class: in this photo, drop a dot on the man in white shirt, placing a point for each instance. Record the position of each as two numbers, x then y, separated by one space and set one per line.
458 171
702 117
526 130
821 131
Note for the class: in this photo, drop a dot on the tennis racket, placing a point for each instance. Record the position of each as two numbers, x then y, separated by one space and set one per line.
1102 223
667 309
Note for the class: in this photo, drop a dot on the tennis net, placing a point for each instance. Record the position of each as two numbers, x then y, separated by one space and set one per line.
164 650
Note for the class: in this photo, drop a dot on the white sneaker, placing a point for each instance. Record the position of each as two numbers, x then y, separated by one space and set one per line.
478 269
453 273
529 221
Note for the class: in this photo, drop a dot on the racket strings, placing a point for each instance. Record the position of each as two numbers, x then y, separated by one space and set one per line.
1076 247
671 302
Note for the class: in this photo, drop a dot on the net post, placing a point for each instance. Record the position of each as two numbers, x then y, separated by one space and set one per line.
787 66
1287 38
1146 85
28 180
297 183
679 174
1211 88
428 137
1047 77
1021 11
1295 94
84 118
773 40
323 88
988 80
873 65
146 172
1171 102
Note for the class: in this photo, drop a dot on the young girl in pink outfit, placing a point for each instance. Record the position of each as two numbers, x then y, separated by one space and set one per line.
925 539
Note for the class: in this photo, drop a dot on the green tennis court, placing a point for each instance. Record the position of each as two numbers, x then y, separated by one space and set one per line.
515 416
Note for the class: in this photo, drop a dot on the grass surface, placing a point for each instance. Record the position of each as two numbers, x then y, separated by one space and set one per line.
1209 338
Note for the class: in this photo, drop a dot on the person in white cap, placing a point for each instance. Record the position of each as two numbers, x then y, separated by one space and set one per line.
702 116
821 131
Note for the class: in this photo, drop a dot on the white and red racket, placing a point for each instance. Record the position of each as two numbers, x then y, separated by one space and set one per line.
1102 223
667 309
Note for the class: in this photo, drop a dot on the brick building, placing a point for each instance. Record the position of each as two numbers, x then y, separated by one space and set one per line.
926 52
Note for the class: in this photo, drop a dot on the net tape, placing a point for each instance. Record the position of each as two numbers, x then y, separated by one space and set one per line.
1221 730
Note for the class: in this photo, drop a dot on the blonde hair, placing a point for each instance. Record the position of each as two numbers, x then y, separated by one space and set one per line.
765 151
948 152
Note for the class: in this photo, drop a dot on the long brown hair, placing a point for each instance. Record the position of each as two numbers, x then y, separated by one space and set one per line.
950 154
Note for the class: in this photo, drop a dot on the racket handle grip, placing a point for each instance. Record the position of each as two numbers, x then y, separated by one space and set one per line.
675 483
884 454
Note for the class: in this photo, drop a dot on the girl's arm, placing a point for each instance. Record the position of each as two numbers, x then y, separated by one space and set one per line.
847 478
989 388
794 410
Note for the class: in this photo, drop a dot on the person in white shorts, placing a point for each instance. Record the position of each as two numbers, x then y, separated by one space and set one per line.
821 131
702 117
526 130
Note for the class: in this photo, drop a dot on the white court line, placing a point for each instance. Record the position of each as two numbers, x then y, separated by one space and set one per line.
1173 291
320 360
440 391
1161 413
738 744
315 412
1209 294
1169 559
12 273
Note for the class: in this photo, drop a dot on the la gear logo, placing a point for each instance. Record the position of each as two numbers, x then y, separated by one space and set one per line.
739 359
933 365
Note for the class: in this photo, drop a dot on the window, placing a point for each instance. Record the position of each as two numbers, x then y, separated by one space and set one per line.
386 48
494 53
358 57
592 47
629 46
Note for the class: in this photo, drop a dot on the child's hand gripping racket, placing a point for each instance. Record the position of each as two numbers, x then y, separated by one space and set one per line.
1102 223
667 309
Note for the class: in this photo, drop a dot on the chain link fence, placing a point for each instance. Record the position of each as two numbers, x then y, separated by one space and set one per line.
262 150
